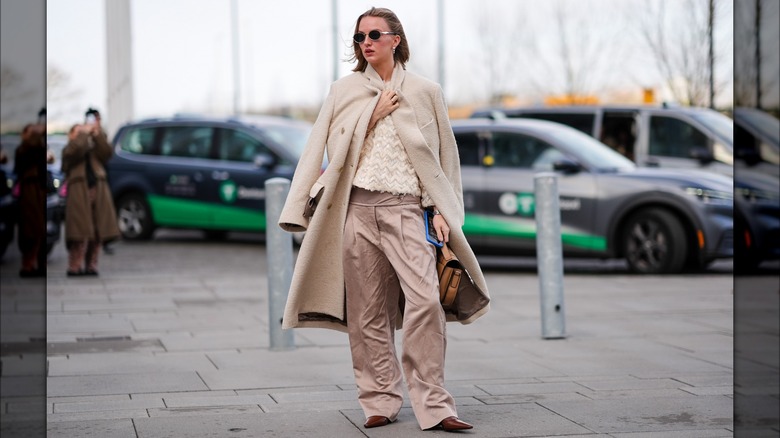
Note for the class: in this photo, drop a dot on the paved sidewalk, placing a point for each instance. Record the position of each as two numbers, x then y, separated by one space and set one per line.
172 341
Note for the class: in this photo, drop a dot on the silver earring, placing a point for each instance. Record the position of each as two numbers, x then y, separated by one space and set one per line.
393 50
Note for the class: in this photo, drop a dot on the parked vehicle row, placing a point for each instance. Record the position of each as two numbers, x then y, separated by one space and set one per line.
658 220
651 136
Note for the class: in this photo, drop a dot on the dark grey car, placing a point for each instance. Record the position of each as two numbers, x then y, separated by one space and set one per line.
659 220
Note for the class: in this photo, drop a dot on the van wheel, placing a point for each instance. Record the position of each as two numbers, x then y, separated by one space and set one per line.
134 217
654 242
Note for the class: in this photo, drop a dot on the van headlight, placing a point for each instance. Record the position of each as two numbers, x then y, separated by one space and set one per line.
710 196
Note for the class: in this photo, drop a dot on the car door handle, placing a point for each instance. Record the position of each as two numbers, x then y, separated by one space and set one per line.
220 175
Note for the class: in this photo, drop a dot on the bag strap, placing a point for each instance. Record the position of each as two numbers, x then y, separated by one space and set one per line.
445 250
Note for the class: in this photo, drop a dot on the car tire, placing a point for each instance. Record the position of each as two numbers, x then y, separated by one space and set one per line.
134 217
654 242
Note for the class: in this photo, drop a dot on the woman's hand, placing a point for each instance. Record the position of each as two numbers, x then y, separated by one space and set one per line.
441 227
388 102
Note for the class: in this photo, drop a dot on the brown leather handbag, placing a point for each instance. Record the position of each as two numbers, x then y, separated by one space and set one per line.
451 272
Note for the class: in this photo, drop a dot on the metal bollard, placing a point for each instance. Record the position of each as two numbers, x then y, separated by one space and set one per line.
549 255
279 253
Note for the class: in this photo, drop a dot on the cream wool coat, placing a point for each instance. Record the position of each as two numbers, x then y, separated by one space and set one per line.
317 294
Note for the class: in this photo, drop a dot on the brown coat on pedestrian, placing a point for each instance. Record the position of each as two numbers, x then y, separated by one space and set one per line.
317 294
30 170
79 223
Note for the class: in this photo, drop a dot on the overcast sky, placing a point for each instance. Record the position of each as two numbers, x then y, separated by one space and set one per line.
181 50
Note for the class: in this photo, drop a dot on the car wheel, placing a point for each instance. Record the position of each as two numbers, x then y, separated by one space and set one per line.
654 242
134 217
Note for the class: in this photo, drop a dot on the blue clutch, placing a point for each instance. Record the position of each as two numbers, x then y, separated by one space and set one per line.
430 232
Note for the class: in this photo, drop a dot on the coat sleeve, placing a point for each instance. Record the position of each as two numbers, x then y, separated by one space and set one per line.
308 170
448 149
103 151
74 153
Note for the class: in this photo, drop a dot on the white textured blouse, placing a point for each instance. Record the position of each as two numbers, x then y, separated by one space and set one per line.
384 166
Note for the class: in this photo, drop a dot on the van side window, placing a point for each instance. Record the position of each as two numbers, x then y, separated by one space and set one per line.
237 146
522 151
186 141
671 137
138 141
468 148
579 121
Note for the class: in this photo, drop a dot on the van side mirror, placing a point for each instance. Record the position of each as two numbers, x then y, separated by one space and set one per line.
566 166
702 155
264 161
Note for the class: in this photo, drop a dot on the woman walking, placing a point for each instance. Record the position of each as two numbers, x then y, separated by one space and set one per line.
365 266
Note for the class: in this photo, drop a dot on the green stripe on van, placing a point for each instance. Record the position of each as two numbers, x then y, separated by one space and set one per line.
492 226
174 212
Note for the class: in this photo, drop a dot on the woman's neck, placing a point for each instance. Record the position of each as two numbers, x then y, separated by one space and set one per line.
385 70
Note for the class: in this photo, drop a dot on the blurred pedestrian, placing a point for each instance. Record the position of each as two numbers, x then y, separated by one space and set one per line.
90 218
30 170
365 266
93 114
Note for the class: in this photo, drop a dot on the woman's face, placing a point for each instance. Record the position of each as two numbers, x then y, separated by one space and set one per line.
381 50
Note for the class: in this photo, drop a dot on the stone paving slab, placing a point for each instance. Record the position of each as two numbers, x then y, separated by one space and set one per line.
630 383
710 390
636 393
282 424
118 344
94 406
96 415
122 428
85 322
532 388
128 363
294 375
181 394
215 340
88 398
234 400
531 398
123 383
205 410
648 414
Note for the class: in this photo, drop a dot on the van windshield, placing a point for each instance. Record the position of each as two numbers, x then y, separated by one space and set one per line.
596 155
721 125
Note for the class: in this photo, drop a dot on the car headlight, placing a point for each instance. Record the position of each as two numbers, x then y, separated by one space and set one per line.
757 196
710 196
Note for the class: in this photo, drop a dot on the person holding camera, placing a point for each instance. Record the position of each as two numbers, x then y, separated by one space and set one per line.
90 218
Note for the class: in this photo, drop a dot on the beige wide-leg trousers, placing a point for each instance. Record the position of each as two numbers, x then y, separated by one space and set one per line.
386 252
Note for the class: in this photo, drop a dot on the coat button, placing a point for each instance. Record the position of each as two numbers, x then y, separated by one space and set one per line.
342 129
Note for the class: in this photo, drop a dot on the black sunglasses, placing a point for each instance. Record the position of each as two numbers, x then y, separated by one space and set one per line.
374 35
